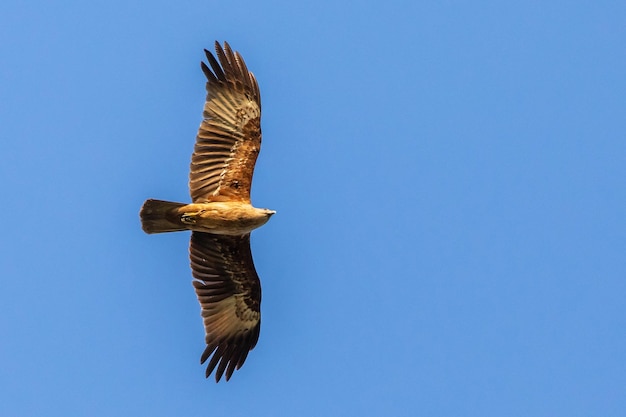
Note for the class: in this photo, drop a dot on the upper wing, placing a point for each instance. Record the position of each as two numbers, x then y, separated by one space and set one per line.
229 292
229 137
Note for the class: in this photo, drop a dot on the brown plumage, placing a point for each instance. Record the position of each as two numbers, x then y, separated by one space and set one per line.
220 215
229 138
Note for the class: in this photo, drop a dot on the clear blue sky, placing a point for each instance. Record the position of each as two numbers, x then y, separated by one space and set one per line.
449 178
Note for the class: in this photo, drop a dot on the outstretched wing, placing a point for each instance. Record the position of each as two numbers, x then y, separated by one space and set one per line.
229 138
229 292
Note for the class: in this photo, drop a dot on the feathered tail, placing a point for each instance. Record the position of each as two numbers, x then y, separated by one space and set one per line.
158 216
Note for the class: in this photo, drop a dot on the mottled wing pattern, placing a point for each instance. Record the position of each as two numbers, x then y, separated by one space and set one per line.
229 292
229 138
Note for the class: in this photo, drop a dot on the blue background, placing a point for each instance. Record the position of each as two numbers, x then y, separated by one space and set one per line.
449 178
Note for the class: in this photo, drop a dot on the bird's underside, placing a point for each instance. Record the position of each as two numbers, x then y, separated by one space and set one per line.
233 218
220 215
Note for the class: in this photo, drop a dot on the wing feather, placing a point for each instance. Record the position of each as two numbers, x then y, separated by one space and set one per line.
215 66
229 292
229 137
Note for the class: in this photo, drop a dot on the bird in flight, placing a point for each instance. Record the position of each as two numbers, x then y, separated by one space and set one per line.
221 215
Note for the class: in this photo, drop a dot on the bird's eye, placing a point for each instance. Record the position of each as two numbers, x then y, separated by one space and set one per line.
234 184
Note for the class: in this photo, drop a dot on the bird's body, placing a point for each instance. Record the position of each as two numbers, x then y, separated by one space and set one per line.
231 218
221 215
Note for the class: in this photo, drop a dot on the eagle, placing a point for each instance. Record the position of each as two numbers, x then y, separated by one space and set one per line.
221 215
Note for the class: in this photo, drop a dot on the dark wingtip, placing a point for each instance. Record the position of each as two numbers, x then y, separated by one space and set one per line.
207 72
208 54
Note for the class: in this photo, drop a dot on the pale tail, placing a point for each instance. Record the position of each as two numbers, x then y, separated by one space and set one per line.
159 216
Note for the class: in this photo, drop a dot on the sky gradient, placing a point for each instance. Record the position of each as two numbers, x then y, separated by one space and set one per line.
449 181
